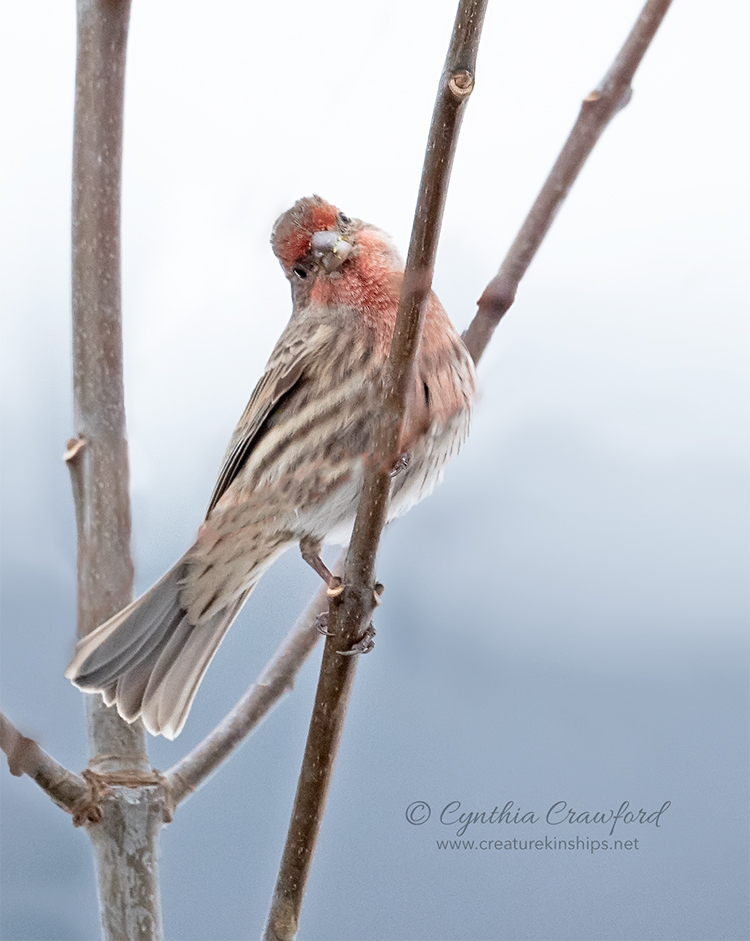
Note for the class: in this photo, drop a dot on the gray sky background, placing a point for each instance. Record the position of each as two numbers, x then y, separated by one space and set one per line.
566 618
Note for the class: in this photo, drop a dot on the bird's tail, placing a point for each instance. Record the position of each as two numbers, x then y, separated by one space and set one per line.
149 660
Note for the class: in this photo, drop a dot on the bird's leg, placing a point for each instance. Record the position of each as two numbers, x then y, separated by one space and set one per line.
310 549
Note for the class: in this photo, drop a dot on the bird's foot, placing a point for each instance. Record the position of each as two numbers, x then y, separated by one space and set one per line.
401 464
364 645
321 624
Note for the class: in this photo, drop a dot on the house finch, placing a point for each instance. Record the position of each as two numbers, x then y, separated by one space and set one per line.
294 467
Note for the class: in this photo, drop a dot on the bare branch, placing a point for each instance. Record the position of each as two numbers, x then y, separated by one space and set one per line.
350 612
25 756
98 456
276 680
124 840
597 110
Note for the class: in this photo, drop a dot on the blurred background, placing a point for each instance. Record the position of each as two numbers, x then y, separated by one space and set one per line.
565 619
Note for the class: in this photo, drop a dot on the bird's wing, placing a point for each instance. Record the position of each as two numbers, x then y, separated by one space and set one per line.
285 369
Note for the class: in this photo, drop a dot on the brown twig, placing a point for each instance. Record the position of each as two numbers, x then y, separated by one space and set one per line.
25 756
350 613
277 679
597 110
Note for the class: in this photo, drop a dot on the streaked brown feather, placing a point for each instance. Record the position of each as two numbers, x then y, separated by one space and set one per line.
294 466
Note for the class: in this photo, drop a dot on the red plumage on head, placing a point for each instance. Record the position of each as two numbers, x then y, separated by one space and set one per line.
292 233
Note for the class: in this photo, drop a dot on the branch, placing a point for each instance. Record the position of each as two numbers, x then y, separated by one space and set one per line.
597 110
67 790
97 457
277 679
125 839
350 612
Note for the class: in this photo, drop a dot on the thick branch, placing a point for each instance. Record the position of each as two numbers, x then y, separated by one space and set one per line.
597 110
98 457
276 680
350 613
67 790
124 840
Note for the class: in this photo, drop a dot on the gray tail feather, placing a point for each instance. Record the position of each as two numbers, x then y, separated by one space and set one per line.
149 660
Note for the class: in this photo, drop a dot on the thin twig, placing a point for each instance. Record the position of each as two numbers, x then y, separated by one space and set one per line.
350 613
25 756
277 679
597 110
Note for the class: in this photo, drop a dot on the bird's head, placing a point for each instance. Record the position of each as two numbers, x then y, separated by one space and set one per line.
329 257
312 237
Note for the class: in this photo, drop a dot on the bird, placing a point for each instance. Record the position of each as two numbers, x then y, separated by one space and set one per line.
294 467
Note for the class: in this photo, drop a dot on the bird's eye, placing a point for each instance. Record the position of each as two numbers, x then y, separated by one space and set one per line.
300 271
344 219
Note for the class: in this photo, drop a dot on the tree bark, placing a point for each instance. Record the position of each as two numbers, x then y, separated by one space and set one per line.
132 803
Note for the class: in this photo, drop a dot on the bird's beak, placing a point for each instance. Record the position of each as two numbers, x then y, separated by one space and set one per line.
330 250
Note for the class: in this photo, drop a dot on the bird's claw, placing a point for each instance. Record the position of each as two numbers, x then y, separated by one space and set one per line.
401 464
321 624
364 645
